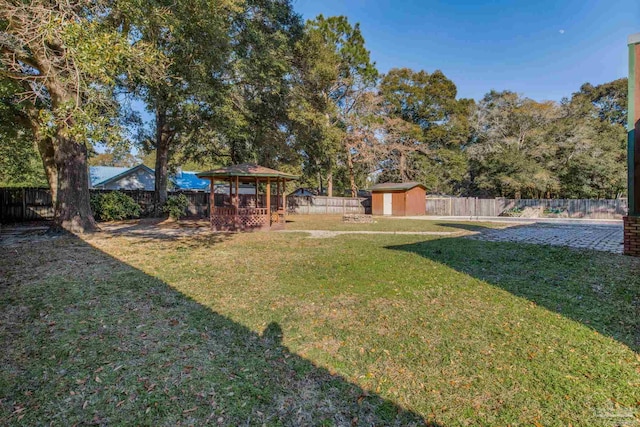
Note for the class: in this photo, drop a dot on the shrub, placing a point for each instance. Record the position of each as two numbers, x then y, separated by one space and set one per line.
114 206
176 206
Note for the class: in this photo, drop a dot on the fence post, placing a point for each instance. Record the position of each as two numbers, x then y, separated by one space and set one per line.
24 204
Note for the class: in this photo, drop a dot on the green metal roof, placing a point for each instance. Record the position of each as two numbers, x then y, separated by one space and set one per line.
245 170
396 186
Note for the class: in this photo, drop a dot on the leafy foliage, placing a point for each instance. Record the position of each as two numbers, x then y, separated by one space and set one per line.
114 206
574 149
67 58
20 164
176 206
232 81
426 129
333 73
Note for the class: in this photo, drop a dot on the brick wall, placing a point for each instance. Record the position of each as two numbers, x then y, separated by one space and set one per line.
632 235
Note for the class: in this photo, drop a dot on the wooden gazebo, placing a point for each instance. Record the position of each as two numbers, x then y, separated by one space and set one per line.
233 211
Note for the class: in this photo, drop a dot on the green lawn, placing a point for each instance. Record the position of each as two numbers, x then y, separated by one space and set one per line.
282 329
334 222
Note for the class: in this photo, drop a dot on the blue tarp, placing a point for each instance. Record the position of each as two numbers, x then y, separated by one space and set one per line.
183 180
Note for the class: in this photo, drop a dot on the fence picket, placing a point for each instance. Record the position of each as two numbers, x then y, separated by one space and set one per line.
26 204
571 208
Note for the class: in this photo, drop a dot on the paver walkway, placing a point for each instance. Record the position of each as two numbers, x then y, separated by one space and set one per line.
601 237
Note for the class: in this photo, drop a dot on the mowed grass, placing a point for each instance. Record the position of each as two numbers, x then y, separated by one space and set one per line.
282 329
335 223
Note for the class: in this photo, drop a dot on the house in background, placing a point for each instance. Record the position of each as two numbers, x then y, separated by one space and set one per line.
141 177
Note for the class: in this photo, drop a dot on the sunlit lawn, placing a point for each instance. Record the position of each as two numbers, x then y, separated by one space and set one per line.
282 329
334 222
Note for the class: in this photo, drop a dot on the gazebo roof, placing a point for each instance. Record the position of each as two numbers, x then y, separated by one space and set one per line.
246 170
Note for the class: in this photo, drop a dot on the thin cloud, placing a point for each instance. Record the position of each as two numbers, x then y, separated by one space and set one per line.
561 31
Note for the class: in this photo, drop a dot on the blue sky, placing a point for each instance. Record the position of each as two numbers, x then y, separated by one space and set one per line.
542 49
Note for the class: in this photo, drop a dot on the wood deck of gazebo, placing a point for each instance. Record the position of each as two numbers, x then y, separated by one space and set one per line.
232 214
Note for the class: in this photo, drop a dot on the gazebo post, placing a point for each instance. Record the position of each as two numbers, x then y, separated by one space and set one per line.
284 199
269 201
277 194
236 220
212 201
237 195
257 193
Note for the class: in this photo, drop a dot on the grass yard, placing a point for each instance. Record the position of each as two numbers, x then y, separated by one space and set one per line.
282 329
334 222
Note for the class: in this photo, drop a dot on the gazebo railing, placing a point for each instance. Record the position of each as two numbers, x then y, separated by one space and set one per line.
231 211
230 218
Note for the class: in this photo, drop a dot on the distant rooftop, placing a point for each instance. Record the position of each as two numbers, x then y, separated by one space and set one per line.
189 180
185 180
99 174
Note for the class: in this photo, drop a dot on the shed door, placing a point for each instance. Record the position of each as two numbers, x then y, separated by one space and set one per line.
386 204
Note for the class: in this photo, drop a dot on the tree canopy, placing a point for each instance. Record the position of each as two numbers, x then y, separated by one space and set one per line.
230 81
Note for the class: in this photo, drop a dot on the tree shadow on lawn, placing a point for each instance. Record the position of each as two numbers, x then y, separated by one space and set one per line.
109 344
470 226
598 289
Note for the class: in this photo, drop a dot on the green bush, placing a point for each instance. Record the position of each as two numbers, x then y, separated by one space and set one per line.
114 206
176 206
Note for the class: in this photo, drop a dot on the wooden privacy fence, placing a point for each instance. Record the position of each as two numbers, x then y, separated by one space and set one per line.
310 205
25 204
31 204
570 208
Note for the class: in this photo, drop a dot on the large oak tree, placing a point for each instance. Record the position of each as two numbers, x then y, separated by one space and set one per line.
66 57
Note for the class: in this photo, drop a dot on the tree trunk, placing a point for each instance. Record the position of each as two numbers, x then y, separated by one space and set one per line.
47 153
162 160
72 208
46 149
402 166
330 184
65 164
352 177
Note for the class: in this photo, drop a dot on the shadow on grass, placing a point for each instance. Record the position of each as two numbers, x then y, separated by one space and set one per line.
597 289
469 226
109 344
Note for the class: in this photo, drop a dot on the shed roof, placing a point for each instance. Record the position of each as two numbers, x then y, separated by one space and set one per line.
246 170
396 186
